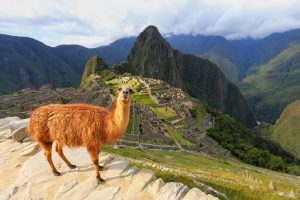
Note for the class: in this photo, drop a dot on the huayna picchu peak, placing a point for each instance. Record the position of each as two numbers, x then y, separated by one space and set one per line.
153 57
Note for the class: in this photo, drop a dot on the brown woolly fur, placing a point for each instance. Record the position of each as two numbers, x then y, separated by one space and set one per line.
76 125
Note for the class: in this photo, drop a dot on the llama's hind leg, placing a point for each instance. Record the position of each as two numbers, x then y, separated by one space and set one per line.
47 147
94 154
60 152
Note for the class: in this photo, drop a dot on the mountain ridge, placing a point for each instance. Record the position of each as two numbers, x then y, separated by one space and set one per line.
236 59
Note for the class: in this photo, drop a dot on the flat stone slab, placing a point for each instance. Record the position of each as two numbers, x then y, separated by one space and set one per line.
115 169
7 120
66 187
30 150
106 193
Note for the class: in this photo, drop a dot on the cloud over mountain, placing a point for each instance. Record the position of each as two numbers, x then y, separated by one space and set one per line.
93 23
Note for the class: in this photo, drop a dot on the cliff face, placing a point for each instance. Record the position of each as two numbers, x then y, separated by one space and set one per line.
204 80
153 57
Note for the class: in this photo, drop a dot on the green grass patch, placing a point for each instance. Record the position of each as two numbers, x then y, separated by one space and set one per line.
198 112
162 113
178 136
176 158
217 173
133 122
146 99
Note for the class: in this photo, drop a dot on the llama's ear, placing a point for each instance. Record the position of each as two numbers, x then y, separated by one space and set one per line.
131 91
119 90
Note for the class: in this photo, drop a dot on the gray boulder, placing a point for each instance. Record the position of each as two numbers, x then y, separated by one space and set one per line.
18 129
20 134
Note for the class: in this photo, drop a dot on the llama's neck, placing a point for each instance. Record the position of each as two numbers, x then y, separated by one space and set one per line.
119 119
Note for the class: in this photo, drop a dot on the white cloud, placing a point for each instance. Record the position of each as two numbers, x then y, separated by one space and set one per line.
91 23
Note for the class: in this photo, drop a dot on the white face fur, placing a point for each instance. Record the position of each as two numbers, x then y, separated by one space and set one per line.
124 93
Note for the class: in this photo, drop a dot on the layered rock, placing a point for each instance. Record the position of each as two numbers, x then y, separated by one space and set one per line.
25 176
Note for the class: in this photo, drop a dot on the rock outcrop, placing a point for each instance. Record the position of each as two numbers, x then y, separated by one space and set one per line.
25 174
94 66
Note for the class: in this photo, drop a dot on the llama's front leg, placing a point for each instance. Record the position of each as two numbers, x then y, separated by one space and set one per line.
94 154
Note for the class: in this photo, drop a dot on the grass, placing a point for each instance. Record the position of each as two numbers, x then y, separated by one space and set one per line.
161 112
177 135
224 175
198 112
130 124
145 99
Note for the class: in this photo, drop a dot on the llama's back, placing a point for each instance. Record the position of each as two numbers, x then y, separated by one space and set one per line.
71 124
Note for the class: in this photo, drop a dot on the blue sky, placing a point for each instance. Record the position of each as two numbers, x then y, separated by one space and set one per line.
99 22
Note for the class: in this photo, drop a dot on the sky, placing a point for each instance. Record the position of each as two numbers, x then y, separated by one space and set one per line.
93 23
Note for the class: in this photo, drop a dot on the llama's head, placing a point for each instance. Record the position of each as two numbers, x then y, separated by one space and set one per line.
124 94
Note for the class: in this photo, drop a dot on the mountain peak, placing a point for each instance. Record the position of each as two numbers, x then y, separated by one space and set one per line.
150 32
152 56
151 29
94 66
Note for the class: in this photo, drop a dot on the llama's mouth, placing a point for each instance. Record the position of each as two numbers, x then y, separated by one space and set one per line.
125 99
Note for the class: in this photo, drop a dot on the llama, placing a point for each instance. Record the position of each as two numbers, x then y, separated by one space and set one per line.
80 125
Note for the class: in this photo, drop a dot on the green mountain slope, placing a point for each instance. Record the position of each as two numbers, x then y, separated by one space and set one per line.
228 67
287 129
215 48
95 65
153 57
26 62
268 48
275 85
